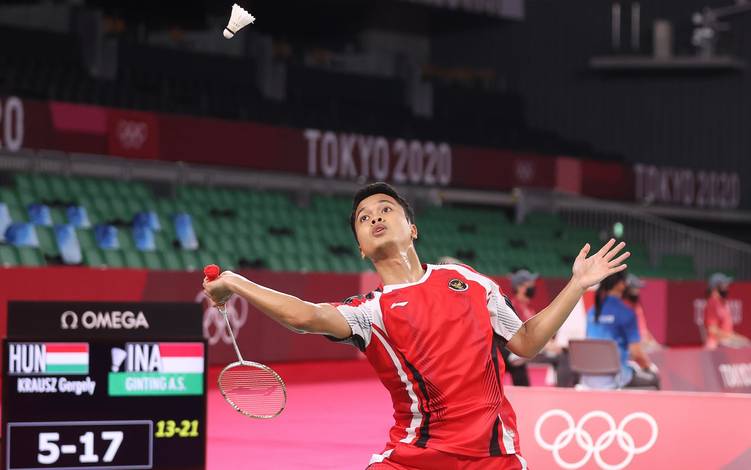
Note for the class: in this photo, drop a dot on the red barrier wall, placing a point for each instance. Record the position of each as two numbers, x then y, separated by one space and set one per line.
690 369
144 135
259 337
670 307
564 428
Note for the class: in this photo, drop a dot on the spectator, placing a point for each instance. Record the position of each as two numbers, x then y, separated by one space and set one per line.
611 319
717 318
631 297
523 287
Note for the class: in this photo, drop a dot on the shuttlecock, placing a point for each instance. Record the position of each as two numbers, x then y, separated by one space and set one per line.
237 21
118 357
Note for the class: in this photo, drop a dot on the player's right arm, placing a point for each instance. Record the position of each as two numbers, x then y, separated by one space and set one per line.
290 311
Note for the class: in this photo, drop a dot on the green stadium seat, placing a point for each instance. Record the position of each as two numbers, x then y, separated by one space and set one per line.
275 263
152 260
59 189
109 189
90 186
226 260
139 191
133 258
86 238
113 258
205 257
8 256
482 237
58 215
47 242
171 260
103 207
26 197
132 207
77 190
22 181
209 242
30 256
18 214
125 238
40 187
9 197
161 241
119 209
92 257
190 260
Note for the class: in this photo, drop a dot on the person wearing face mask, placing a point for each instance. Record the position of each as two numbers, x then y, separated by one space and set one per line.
611 319
631 297
717 318
523 286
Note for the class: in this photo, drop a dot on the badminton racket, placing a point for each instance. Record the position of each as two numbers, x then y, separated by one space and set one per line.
252 389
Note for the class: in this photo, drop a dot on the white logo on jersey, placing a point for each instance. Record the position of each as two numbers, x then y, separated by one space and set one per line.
399 304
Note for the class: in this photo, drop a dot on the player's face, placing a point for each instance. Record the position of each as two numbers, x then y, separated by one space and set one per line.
380 224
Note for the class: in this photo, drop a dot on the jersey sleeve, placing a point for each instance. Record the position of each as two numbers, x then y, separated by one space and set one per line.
503 317
358 312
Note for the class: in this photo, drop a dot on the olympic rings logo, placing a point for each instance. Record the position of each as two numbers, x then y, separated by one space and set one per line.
132 134
237 313
591 446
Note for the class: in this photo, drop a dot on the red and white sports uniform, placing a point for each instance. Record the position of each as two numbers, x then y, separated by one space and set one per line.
435 345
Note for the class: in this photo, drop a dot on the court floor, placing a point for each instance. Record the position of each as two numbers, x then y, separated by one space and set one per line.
329 423
338 414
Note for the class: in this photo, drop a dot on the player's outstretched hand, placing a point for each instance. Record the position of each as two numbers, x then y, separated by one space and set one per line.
218 290
592 270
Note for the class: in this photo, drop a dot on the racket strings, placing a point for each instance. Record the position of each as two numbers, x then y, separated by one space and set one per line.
252 390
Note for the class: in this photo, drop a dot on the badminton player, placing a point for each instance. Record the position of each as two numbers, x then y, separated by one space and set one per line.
433 334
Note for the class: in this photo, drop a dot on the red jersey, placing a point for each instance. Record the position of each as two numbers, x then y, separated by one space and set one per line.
435 345
717 313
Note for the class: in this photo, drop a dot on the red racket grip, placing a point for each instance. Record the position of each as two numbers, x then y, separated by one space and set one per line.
211 272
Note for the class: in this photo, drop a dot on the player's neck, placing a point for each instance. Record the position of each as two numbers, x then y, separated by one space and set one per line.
402 268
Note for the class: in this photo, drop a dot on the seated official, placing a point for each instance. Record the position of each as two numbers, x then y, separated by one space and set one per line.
611 319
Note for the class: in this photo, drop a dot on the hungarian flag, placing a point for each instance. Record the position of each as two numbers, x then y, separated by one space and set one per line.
66 358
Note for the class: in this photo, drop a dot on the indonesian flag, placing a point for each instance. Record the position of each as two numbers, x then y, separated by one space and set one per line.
181 357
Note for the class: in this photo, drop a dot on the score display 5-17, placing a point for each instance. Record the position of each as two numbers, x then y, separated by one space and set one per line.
80 444
50 450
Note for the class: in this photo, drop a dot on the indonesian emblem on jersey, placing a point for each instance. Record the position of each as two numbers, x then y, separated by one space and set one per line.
458 285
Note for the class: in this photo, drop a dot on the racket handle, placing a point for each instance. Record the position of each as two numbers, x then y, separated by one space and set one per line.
211 272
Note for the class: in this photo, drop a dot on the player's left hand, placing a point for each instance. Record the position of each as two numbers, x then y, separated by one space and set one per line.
218 290
590 271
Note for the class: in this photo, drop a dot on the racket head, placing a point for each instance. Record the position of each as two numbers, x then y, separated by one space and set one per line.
253 389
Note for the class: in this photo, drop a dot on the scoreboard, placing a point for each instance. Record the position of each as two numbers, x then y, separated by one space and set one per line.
104 386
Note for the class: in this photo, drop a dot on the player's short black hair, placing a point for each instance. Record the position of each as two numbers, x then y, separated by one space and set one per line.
379 188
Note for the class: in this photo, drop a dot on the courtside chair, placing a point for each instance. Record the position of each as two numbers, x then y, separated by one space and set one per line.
594 357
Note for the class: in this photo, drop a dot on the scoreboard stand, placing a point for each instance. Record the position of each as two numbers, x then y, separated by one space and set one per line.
106 386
